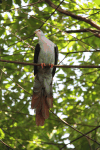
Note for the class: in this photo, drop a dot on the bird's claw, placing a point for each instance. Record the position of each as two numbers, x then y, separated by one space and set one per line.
51 65
42 65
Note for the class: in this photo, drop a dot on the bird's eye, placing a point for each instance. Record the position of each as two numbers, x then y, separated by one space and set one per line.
38 30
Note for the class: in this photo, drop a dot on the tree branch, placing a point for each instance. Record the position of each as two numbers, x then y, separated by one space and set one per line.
83 135
79 52
6 145
78 17
94 32
83 30
66 123
57 66
16 82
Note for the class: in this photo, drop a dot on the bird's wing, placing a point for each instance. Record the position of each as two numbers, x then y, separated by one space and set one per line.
36 54
56 60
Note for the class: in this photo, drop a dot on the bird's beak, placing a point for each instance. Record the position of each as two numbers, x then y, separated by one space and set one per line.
35 32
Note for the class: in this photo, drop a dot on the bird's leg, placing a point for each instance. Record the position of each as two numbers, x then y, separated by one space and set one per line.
42 65
51 65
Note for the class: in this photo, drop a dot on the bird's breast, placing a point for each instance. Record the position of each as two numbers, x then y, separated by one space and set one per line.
46 54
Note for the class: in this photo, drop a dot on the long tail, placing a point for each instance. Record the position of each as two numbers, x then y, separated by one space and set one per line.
42 103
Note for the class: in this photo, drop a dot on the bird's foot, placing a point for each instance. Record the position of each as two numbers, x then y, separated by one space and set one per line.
51 65
42 65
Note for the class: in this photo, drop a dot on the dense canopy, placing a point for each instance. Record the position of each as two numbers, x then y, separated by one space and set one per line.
74 121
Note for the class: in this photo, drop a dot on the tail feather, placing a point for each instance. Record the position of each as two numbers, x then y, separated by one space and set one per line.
42 111
39 119
45 108
42 105
49 101
39 107
35 100
42 98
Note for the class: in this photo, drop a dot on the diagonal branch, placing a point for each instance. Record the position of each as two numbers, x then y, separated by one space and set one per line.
66 123
6 145
69 13
51 14
82 135
16 83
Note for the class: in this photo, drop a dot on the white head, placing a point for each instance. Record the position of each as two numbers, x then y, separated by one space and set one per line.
39 33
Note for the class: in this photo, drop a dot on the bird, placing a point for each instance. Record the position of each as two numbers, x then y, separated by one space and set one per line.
46 53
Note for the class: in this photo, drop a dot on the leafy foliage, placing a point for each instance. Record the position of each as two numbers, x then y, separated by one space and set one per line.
76 91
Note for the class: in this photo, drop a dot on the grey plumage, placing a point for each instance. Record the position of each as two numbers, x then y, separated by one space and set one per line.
45 52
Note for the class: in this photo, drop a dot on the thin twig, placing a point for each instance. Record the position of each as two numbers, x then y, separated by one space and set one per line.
66 123
52 13
16 83
83 135
6 145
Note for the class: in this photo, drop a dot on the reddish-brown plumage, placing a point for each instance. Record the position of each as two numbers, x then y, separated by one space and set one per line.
35 100
42 105
39 119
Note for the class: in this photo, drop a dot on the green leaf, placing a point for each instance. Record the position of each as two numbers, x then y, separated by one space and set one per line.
76 91
18 2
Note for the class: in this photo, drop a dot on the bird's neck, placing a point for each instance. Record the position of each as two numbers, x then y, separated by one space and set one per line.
42 39
41 36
